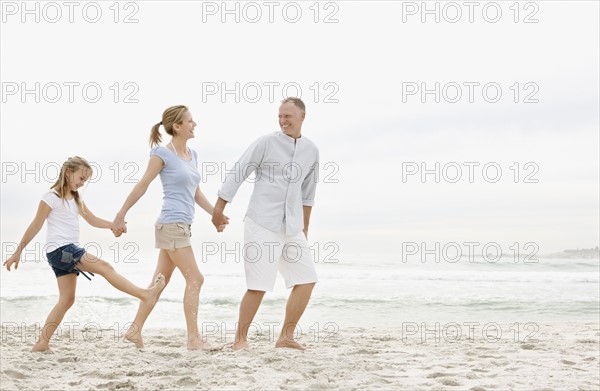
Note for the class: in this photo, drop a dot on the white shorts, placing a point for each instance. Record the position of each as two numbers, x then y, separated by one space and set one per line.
267 251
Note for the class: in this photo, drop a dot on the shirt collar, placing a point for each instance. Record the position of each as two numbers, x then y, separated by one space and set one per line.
290 138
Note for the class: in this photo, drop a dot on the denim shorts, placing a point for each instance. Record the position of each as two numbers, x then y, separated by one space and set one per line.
64 259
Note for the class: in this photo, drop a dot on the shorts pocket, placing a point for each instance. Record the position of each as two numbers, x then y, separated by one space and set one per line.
66 257
186 229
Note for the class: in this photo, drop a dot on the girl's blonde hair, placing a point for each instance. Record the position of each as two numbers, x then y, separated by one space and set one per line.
172 115
61 186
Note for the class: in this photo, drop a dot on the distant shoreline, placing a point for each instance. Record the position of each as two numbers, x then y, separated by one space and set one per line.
584 253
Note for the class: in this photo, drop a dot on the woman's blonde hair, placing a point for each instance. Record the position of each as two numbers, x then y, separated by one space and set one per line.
172 115
61 186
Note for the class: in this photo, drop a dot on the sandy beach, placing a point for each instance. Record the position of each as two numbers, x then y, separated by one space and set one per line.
537 357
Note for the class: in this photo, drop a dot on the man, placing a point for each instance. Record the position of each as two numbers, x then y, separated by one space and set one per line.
277 219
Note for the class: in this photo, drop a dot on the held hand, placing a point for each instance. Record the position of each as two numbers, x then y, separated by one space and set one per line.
118 226
117 231
222 227
14 259
219 220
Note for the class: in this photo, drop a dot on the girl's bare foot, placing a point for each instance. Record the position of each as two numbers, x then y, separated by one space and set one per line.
134 333
154 292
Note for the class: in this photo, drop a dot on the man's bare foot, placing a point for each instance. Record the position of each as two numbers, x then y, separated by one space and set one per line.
134 335
196 343
41 346
239 345
288 343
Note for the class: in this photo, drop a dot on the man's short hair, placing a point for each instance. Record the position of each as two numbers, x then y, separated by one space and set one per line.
296 101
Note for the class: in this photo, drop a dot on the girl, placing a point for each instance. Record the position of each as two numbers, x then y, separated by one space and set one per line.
62 207
178 169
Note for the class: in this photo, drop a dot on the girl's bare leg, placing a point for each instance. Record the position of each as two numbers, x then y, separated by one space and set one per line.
90 263
165 268
66 297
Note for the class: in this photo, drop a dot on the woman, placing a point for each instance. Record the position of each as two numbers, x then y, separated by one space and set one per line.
178 169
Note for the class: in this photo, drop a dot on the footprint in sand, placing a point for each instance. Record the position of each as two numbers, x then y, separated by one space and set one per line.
567 362
435 375
68 359
15 374
489 356
449 382
187 382
114 385
270 360
320 386
585 341
384 338
365 351
171 355
248 379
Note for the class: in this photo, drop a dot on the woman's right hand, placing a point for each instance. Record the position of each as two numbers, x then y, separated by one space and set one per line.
14 259
219 220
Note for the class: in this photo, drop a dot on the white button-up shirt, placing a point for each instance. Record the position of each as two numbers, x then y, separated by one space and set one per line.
287 171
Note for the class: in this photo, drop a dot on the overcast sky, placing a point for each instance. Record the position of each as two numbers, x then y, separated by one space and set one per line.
520 99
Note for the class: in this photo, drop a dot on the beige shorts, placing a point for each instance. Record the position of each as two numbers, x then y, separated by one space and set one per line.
172 236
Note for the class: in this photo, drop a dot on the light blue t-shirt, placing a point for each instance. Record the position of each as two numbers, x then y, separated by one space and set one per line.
179 178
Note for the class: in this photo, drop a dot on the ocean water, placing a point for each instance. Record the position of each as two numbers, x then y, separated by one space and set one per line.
350 293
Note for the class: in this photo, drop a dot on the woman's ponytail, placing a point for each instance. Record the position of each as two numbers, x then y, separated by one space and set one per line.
155 136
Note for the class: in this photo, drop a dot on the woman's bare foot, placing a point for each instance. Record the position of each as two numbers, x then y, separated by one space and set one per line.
196 343
40 346
288 343
240 345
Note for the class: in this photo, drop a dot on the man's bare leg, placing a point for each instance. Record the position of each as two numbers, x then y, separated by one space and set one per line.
294 309
248 308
